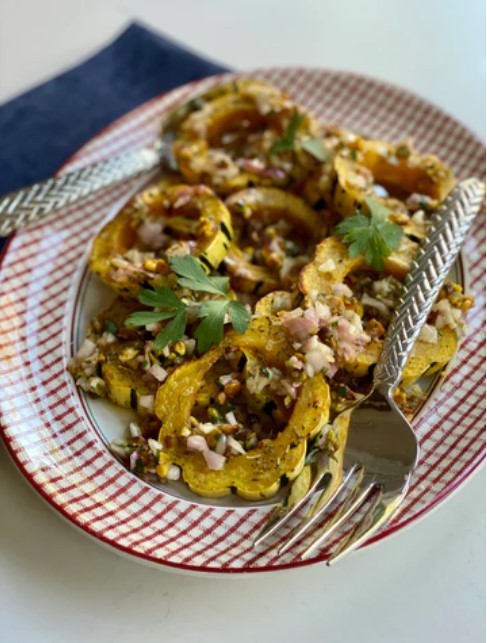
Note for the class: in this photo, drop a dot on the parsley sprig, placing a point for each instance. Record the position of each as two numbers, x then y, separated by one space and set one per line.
373 237
288 142
169 307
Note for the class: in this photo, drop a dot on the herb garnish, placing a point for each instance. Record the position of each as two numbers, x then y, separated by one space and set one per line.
316 148
374 238
210 331
287 143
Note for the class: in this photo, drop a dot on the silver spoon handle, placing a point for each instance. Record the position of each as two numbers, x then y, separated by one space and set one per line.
35 202
448 230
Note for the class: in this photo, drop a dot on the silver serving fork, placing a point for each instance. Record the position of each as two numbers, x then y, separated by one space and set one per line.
382 449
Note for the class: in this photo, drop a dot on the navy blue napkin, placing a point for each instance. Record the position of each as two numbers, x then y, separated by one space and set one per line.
44 126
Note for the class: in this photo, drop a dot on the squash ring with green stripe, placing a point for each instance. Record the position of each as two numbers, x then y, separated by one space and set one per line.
194 219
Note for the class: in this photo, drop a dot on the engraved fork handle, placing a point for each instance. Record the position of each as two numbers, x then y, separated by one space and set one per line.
448 230
35 202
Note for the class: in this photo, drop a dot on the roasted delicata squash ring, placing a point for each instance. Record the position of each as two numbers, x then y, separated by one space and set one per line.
271 228
134 248
426 359
256 474
355 181
113 364
227 142
402 168
331 264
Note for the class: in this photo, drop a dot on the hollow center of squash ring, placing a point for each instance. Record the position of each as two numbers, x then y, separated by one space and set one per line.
238 397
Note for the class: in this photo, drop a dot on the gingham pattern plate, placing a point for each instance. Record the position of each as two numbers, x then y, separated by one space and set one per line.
47 429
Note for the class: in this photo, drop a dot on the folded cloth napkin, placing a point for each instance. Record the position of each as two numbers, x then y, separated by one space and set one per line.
44 126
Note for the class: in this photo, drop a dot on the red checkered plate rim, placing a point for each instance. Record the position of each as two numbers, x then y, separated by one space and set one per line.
47 430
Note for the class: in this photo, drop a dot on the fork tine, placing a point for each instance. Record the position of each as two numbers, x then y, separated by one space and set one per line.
320 507
378 514
350 504
277 519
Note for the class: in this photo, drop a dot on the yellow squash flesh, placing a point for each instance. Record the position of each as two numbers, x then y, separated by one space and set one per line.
268 205
208 221
258 473
125 386
241 108
427 359
403 168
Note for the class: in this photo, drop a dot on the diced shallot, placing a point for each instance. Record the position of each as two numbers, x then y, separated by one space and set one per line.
367 300
341 290
86 349
134 429
428 334
350 333
318 356
147 402
327 266
158 372
174 472
190 346
447 315
197 443
323 311
134 456
257 167
120 449
230 418
221 444
154 446
207 427
289 388
235 445
151 235
300 324
214 461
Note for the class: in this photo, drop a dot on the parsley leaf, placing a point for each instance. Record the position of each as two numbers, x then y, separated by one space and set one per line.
191 275
286 143
160 297
210 330
373 238
316 148
145 317
239 315
172 332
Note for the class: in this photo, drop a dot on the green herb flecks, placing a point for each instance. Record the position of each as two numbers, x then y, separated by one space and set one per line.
287 142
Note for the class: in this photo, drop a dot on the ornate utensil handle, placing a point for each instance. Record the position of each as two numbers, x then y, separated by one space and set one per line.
35 202
449 227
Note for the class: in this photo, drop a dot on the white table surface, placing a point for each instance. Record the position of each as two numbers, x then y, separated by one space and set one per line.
424 585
